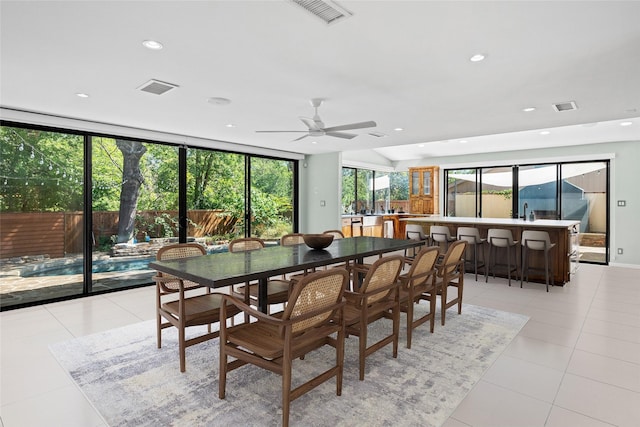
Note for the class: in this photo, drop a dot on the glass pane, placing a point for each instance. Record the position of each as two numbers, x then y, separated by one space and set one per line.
496 192
215 197
271 198
461 193
426 183
382 201
364 190
348 190
399 191
135 209
584 198
537 190
415 183
41 220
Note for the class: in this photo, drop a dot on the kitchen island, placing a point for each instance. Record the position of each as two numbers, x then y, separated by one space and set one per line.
564 233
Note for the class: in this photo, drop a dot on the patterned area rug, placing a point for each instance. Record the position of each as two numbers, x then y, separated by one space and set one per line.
132 383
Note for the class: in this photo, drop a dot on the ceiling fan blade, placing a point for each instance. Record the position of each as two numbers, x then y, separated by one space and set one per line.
341 135
360 125
298 139
280 131
311 124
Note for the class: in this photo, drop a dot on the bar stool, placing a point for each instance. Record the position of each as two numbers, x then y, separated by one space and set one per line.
501 238
471 235
414 232
536 241
441 234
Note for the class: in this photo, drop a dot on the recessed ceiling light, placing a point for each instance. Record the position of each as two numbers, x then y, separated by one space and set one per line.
463 141
82 95
152 44
529 109
218 101
314 142
230 125
545 132
477 57
421 145
626 123
399 129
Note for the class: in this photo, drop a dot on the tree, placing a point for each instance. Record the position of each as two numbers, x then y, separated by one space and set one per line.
132 179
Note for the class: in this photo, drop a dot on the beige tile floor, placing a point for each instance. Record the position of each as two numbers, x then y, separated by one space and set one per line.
576 362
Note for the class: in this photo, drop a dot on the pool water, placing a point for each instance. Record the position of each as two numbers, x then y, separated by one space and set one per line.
97 267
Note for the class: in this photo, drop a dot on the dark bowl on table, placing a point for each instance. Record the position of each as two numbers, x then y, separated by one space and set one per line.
318 241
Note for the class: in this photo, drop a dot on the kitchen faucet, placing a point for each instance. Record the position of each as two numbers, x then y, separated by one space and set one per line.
525 211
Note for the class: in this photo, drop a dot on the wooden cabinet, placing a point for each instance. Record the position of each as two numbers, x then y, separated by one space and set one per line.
424 192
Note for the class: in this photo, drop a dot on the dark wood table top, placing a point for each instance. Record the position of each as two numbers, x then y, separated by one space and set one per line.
224 269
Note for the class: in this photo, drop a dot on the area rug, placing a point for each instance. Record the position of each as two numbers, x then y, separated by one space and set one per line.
132 383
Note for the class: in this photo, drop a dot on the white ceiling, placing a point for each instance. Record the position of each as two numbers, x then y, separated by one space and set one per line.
400 63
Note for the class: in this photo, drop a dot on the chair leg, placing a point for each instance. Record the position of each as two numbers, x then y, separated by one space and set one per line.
546 269
432 310
396 329
509 264
286 387
182 346
223 369
443 302
486 268
409 320
362 342
340 361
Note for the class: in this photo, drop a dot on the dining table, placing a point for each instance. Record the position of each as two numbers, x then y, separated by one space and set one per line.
229 268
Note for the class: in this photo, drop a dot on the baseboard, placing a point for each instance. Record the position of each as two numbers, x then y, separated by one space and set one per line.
619 264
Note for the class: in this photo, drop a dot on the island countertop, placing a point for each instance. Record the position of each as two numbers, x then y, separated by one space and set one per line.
504 222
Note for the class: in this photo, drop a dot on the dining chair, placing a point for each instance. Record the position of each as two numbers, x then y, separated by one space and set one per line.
277 289
419 283
290 240
185 311
450 273
337 234
375 299
313 318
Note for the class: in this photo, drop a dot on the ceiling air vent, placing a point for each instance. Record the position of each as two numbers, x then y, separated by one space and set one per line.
326 10
157 87
565 106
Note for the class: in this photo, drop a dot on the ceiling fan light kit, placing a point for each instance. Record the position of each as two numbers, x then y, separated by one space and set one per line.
317 128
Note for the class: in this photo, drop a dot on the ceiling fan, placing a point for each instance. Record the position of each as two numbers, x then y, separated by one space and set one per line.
317 128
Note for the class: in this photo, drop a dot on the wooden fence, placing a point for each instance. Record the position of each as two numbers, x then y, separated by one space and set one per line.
58 233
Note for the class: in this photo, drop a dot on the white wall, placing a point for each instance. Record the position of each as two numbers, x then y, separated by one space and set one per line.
625 174
320 182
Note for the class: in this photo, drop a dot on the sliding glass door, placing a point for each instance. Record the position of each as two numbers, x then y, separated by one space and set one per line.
41 215
584 198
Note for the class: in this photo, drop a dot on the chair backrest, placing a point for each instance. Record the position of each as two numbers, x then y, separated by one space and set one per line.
422 266
500 237
382 273
176 251
415 232
291 239
318 292
536 240
246 244
180 250
337 234
452 257
469 234
440 233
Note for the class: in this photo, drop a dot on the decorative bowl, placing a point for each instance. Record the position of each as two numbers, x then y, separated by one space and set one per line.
318 241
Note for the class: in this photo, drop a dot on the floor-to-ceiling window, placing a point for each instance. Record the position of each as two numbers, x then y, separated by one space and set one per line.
575 191
374 192
133 197
41 215
496 192
272 198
